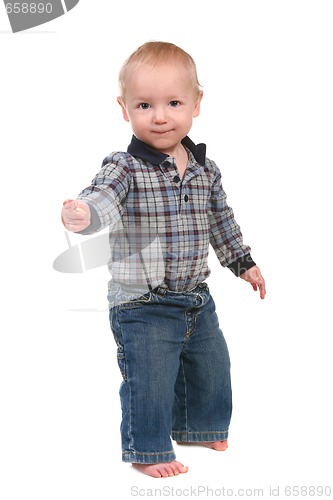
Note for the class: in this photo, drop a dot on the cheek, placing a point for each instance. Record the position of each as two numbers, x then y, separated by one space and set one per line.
138 120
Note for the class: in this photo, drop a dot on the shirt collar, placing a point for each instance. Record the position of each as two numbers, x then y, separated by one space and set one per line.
141 150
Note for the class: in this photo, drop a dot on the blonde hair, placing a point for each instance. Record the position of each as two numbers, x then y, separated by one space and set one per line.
152 53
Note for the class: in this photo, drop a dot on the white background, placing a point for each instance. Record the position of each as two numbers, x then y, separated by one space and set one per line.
266 70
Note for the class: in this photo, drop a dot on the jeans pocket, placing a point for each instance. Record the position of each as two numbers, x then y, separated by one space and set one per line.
137 302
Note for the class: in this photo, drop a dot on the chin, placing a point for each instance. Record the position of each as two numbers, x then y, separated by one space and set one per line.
163 141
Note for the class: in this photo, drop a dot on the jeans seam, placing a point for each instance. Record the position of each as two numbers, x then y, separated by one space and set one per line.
200 432
185 393
147 453
126 381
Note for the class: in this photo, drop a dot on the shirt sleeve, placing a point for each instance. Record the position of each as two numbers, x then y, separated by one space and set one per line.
106 193
225 234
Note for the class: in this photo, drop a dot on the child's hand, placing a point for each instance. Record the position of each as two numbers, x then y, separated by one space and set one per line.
254 277
75 215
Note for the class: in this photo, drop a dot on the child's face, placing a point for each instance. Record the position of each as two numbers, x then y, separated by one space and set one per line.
160 104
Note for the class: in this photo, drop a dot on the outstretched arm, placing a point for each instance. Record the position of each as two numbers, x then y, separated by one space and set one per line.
254 277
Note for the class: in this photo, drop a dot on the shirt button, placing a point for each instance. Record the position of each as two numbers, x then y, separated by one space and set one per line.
166 163
176 178
186 198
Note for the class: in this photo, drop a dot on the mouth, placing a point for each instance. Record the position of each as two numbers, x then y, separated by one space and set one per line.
160 132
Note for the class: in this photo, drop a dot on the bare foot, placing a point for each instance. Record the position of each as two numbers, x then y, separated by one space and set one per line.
216 445
167 469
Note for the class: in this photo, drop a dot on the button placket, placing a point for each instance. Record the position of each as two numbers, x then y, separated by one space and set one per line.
172 173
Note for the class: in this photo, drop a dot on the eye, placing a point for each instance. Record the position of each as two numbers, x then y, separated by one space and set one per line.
174 104
144 105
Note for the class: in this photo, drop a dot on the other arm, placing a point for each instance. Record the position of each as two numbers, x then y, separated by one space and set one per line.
227 240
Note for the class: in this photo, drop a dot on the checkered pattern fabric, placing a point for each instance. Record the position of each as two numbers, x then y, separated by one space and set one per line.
161 226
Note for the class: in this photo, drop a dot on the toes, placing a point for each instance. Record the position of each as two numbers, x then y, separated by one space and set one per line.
165 471
162 470
180 468
155 473
177 469
170 470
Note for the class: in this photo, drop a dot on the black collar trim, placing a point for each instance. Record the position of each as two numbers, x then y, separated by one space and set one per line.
141 150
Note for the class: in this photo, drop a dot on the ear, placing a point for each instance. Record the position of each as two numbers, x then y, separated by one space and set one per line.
196 110
123 107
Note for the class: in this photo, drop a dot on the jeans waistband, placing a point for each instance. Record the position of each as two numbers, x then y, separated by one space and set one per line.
162 290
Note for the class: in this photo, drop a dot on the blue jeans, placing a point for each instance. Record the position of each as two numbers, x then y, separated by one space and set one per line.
176 373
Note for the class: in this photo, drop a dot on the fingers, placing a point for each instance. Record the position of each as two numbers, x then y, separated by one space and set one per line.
66 202
254 277
261 284
262 290
72 205
75 215
262 287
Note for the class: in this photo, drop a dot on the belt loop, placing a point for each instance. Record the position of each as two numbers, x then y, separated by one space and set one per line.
160 290
204 286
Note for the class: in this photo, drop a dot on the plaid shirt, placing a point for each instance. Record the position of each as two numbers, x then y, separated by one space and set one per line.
160 225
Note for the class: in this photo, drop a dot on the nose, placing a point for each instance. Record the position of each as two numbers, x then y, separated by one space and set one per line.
159 115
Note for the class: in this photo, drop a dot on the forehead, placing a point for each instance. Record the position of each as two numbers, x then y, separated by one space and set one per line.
159 77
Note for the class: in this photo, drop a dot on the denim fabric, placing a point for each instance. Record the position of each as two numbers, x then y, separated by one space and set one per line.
176 373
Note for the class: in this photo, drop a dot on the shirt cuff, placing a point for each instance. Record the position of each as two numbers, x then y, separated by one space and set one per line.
95 223
241 265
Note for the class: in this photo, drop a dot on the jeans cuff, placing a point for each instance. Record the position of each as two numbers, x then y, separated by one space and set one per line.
197 437
149 457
